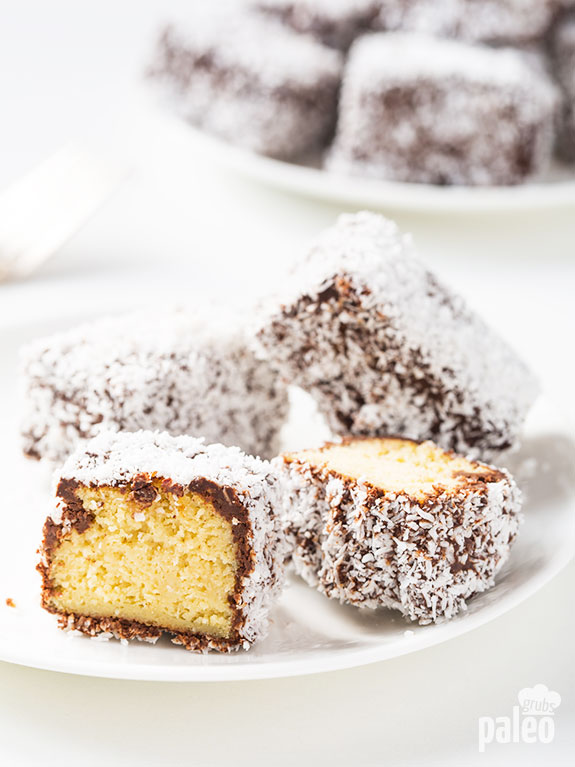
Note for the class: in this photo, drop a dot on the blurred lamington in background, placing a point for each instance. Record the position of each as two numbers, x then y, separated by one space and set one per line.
459 92
251 81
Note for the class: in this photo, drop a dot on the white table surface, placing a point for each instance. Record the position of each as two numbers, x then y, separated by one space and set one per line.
180 226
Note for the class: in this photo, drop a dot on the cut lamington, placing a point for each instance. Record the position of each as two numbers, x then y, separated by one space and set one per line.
172 371
418 109
385 348
335 23
155 534
398 524
249 80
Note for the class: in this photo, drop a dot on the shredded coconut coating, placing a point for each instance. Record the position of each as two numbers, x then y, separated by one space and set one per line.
335 23
183 373
371 548
507 21
250 80
425 110
563 57
113 459
385 348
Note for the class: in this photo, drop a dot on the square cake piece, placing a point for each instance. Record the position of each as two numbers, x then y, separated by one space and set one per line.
155 534
250 80
335 23
433 111
173 371
385 348
394 523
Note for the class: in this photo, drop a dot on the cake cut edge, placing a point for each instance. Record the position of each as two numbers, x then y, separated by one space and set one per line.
254 525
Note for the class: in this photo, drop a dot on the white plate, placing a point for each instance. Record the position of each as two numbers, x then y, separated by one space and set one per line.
556 189
309 632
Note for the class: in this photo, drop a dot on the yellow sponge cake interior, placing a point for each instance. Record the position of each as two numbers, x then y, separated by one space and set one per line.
394 465
171 563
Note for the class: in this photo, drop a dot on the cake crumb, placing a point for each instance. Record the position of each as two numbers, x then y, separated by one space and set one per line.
10 602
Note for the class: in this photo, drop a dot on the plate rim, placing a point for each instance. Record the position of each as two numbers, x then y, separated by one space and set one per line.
320 184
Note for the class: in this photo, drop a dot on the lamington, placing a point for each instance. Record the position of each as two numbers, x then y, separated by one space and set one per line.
153 534
250 80
175 371
563 58
385 348
398 524
491 21
335 23
418 109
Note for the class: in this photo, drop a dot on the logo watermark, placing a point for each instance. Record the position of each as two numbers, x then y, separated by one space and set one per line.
531 721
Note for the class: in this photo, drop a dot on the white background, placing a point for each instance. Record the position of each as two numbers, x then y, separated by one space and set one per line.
179 226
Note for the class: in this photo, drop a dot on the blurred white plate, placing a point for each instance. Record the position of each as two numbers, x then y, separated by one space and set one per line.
556 189
309 633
